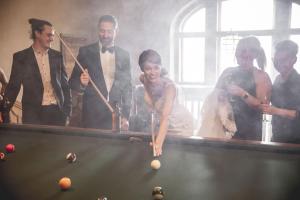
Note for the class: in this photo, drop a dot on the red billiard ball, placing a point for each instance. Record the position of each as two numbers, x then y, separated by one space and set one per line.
64 183
2 156
10 148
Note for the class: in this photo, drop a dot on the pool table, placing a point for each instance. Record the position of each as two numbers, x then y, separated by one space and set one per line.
117 166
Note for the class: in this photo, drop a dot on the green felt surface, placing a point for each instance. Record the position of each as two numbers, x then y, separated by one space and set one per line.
115 167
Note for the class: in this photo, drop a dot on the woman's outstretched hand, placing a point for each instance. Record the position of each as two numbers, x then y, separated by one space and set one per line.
157 148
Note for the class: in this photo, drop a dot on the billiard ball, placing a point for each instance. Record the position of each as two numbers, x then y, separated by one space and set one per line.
2 156
102 198
158 193
71 157
64 183
155 164
135 139
10 148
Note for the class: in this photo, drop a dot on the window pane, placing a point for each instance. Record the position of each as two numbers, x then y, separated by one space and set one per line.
296 38
227 52
246 15
195 22
295 22
192 68
266 43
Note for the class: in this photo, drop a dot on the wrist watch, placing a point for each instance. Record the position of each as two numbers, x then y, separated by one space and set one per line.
246 95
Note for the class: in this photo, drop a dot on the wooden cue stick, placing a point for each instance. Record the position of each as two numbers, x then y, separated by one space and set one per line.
82 69
152 133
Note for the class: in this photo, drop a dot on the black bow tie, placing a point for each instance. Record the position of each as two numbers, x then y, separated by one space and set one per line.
109 49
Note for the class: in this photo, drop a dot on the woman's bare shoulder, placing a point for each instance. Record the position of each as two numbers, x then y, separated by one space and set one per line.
261 74
168 83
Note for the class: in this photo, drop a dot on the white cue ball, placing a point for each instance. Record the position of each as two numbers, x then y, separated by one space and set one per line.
155 164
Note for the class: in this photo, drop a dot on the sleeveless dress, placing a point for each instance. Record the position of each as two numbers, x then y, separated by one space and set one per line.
248 120
180 118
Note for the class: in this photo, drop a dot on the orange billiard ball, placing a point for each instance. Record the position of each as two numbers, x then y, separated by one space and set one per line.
65 183
10 148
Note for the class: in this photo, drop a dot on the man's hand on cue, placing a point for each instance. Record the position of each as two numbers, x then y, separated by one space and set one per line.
85 78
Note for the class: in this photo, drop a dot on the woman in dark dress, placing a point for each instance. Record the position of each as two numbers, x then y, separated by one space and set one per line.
248 87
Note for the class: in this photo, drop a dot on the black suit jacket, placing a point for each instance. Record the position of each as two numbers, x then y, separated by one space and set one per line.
25 72
95 113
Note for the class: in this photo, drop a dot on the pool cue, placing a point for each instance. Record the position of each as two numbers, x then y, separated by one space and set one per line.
153 133
91 81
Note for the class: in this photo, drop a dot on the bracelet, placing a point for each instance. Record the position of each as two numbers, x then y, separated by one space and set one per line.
246 95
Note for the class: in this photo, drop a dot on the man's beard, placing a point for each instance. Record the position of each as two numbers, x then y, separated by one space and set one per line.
106 42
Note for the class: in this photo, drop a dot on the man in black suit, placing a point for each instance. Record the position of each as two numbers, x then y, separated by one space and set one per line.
109 67
40 70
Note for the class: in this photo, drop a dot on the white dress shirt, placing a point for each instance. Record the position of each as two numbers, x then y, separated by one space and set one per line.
42 59
108 64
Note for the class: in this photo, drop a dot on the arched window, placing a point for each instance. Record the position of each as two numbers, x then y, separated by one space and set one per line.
205 34
191 67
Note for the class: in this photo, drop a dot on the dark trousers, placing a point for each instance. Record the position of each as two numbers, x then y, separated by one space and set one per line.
46 115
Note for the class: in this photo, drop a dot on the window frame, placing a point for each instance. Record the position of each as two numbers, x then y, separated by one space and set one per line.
195 93
212 35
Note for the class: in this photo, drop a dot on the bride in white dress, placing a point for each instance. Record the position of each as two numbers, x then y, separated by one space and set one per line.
217 116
